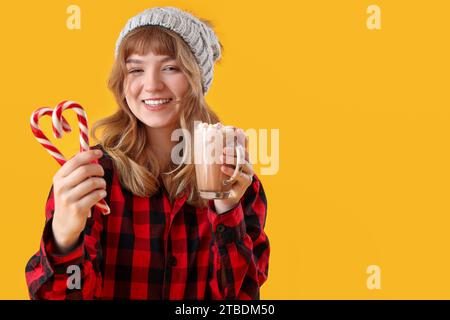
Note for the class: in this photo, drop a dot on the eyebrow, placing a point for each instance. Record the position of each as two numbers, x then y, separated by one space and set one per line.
138 61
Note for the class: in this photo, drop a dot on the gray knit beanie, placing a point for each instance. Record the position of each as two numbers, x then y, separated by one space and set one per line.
200 38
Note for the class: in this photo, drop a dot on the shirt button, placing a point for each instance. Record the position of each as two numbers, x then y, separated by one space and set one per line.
220 228
172 261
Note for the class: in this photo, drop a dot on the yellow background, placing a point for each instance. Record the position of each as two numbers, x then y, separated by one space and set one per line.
363 119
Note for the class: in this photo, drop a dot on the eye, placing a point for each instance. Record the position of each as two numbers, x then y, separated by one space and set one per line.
134 70
171 68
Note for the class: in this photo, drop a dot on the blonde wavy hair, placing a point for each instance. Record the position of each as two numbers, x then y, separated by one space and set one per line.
124 136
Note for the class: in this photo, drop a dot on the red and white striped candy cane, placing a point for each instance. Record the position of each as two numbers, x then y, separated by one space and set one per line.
59 125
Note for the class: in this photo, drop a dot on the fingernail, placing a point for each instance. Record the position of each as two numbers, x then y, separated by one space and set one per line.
98 152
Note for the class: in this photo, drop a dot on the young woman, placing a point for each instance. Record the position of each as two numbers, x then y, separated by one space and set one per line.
160 239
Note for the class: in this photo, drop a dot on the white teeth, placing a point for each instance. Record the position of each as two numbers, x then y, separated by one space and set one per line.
156 102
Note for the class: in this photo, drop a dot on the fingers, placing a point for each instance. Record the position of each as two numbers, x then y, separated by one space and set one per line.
247 168
88 186
91 199
82 173
242 177
78 160
229 156
231 162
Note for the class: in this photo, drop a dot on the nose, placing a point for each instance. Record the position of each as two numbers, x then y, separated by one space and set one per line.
153 82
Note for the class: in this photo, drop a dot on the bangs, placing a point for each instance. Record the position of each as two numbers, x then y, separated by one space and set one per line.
159 41
155 39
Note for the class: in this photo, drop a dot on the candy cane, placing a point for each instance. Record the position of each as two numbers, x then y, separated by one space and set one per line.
60 124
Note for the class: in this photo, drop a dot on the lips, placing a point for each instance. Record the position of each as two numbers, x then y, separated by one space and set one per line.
157 107
155 99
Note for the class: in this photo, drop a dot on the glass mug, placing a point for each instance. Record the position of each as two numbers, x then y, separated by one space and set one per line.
209 141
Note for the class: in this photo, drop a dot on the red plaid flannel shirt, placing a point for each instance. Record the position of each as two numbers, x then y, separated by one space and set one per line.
149 249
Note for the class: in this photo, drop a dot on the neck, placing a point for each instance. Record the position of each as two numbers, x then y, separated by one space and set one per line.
161 145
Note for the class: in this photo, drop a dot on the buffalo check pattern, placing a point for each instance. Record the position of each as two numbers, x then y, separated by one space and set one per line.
150 248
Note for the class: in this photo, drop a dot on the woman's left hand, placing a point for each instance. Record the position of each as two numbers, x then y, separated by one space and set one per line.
243 179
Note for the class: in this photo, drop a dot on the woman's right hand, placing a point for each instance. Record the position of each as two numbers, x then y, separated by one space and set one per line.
77 186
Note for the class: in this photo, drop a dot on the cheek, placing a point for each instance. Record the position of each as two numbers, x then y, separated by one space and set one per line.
131 88
181 84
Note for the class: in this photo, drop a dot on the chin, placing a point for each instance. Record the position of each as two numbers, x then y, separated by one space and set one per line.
159 119
159 123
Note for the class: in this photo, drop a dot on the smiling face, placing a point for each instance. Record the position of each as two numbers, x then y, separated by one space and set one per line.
152 86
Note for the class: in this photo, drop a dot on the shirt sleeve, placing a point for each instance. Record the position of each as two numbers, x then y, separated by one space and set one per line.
240 250
75 275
